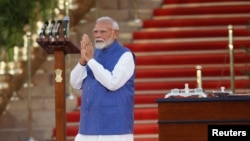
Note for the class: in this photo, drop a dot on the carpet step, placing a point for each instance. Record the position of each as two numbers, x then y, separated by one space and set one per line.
223 32
146 139
195 22
146 114
73 116
207 84
185 46
147 98
201 59
194 1
189 72
208 9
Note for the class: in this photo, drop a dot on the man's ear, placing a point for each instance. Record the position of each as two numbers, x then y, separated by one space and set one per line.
116 33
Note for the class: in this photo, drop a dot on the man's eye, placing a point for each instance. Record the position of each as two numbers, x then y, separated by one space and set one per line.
102 31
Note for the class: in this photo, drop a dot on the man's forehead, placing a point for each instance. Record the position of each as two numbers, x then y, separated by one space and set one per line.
103 26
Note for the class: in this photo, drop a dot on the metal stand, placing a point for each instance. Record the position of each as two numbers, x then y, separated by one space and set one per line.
231 55
30 117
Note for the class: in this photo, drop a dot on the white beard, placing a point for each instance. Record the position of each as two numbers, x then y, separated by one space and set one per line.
100 45
103 44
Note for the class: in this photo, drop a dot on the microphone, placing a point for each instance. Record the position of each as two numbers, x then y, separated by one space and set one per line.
56 31
42 33
52 23
65 24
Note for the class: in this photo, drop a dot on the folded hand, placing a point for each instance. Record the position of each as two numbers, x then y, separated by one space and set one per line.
87 50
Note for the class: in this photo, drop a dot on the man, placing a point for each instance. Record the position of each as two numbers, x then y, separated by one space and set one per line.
106 77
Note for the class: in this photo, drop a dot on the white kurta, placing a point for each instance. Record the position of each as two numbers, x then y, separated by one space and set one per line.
121 73
127 137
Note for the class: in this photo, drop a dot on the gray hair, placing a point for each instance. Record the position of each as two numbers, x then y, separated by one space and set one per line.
108 19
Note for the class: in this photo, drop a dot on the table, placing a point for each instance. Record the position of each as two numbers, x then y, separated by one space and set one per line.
187 119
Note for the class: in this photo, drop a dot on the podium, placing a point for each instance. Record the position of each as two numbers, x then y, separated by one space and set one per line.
59 47
187 119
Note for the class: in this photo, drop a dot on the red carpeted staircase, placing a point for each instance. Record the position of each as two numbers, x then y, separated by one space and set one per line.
181 35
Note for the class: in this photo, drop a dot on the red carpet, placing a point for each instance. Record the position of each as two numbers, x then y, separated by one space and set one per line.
195 1
164 63
189 72
152 23
218 58
207 84
202 10
188 34
185 46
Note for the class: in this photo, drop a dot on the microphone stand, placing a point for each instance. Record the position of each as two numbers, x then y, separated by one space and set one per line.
59 47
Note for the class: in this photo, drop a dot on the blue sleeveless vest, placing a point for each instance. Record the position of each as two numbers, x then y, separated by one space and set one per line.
105 112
